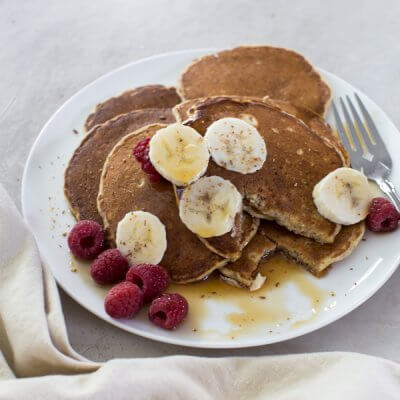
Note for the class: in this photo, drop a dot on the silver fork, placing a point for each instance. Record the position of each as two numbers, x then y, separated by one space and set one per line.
367 150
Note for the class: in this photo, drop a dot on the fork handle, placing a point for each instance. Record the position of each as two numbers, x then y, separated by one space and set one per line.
388 188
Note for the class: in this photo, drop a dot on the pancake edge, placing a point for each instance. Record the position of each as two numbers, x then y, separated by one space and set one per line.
94 109
180 90
319 271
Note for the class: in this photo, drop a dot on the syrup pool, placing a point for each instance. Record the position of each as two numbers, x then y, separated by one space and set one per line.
265 309
289 297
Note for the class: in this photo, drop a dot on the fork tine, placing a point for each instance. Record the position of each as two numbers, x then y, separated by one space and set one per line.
352 132
376 137
340 128
363 137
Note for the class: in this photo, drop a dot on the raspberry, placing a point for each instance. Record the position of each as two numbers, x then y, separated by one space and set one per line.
147 167
383 216
109 267
168 310
141 153
141 149
123 300
152 279
86 239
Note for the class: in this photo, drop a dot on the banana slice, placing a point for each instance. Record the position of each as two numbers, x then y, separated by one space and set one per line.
236 145
179 153
141 237
343 196
209 206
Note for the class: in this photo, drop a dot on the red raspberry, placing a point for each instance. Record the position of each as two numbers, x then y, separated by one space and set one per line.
147 167
109 267
168 310
383 216
86 239
152 279
141 149
141 153
123 300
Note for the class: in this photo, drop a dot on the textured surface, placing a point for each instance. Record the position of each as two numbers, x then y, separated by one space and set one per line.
257 71
354 41
151 96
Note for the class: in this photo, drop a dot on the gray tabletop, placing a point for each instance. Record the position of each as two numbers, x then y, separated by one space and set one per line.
49 49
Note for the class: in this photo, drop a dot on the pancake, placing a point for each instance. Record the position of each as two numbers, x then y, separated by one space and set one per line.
124 187
314 122
231 244
187 108
82 176
297 159
302 113
257 71
150 96
314 256
244 271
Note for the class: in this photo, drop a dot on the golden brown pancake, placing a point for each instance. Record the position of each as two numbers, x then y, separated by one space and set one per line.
313 121
187 108
124 187
257 71
150 96
297 159
314 256
82 176
244 271
231 244
303 113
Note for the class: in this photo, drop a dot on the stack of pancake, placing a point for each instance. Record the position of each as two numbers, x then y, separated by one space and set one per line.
284 97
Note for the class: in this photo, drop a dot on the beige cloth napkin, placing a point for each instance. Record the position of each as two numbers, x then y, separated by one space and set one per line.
37 361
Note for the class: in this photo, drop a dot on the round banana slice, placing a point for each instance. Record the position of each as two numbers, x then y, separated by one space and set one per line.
141 238
179 153
209 206
343 196
236 145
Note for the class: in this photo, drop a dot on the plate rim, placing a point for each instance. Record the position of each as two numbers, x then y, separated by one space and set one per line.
170 339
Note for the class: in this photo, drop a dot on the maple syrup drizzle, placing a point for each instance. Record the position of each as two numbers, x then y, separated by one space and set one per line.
266 307
252 311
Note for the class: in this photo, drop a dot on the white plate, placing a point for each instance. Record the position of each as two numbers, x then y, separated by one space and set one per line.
354 280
